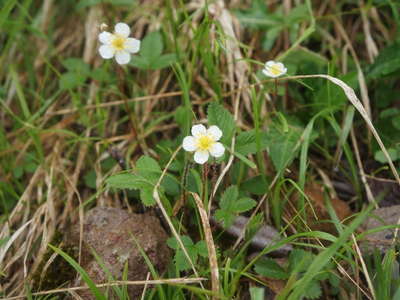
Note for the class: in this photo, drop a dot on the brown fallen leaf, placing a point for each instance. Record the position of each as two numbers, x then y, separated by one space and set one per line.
315 192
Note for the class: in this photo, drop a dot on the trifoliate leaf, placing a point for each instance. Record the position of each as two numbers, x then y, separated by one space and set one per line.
181 262
147 173
230 206
173 243
151 57
225 217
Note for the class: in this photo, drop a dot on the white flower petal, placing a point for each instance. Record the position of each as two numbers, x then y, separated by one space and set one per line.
214 132
122 29
105 37
122 57
198 130
201 156
279 65
106 51
269 63
268 73
217 150
189 143
132 45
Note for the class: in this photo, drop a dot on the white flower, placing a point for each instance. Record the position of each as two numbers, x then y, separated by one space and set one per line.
274 69
118 44
203 143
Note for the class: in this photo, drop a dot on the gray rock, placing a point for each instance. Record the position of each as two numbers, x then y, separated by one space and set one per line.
381 240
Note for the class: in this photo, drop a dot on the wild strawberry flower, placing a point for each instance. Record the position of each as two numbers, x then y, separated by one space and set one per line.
274 69
118 44
204 142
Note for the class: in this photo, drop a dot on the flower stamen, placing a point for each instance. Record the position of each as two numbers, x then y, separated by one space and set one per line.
118 43
205 142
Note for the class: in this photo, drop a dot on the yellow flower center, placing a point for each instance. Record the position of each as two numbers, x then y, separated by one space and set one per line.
118 43
205 142
275 70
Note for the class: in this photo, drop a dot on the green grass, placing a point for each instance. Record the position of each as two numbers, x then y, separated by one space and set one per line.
78 131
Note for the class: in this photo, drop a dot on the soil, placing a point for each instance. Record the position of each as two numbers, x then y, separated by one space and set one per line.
111 234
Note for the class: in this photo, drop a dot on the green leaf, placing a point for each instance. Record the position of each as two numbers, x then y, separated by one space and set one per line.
246 142
257 185
90 179
173 243
389 112
244 204
181 117
180 259
140 62
151 57
201 247
257 293
229 197
226 217
101 75
393 153
269 268
152 46
396 122
331 94
386 63
147 173
76 65
297 14
299 260
86 3
218 115
230 206
257 16
163 61
282 145
71 80
146 195
148 168
313 291
127 181
146 163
